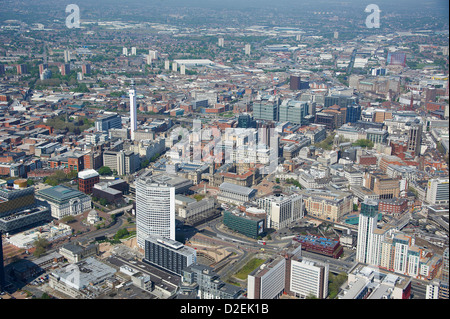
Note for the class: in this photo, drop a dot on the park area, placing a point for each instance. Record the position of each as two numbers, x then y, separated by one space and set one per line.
248 268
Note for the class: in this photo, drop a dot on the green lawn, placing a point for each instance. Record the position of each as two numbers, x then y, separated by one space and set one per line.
249 267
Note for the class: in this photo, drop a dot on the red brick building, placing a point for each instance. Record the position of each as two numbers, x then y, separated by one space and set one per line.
73 161
393 206
87 179
368 160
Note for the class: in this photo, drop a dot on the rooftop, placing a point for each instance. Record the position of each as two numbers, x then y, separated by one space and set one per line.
60 193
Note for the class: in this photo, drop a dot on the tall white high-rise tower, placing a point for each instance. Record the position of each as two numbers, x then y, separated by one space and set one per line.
155 209
133 111
247 49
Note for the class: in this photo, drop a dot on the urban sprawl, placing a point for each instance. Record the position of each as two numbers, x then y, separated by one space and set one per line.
162 160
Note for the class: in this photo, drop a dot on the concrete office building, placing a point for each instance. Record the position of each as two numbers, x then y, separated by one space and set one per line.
124 162
266 109
341 100
168 254
202 282
155 210
294 112
191 209
376 135
74 252
282 209
268 280
327 204
235 194
382 185
108 121
444 282
295 83
308 278
111 195
438 191
180 184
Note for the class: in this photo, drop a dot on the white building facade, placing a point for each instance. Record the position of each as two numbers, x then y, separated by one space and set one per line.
155 210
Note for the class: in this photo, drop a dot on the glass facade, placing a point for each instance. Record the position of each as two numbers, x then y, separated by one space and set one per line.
251 227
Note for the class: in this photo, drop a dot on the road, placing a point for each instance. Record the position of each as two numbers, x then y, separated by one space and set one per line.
272 247
120 210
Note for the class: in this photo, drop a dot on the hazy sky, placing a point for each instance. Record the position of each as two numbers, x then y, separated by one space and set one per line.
131 10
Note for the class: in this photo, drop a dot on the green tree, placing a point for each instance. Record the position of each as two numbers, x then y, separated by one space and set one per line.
68 219
335 282
81 88
104 170
145 163
364 143
121 233
154 157
41 245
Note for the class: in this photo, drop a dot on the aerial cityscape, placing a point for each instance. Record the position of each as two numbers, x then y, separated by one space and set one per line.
228 150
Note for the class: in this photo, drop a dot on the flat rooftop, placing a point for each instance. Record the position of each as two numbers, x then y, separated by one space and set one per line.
60 193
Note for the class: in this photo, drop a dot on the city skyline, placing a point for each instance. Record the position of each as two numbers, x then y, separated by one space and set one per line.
176 150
